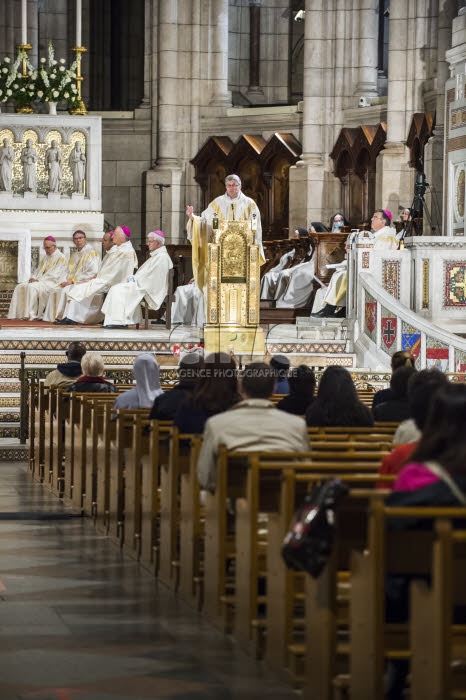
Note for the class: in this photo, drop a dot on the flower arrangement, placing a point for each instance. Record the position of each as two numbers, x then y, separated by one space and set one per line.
6 78
56 82
23 87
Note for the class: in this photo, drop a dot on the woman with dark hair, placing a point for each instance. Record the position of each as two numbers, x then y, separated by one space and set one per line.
337 402
302 382
216 390
401 358
396 406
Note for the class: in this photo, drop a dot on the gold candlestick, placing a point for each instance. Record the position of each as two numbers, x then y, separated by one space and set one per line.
24 68
81 108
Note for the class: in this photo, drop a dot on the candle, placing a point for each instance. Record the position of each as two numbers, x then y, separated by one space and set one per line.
78 22
24 22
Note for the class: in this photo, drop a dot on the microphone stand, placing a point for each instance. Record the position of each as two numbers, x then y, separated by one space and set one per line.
160 187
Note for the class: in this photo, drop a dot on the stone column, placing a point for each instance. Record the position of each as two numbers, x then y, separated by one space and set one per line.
394 180
146 102
306 177
368 48
168 137
255 93
221 97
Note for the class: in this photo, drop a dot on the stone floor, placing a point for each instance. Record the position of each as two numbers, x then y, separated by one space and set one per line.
78 620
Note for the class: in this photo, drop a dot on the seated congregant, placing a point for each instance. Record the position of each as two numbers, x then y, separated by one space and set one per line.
146 374
122 307
302 383
92 378
252 425
67 372
190 369
396 408
337 403
29 298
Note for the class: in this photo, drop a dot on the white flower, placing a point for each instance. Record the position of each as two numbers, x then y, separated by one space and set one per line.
30 87
22 89
16 86
62 69
55 93
54 63
53 76
4 70
40 94
42 60
9 93
66 95
18 75
62 60
1 92
6 59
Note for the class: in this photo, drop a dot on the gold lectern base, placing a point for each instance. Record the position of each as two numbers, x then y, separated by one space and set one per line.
240 340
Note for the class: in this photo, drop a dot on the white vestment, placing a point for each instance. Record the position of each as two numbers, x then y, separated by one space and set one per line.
270 279
188 306
225 208
122 307
85 299
82 265
385 239
29 298
294 286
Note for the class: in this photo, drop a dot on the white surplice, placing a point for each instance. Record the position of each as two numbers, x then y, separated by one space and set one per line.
188 306
82 265
270 279
85 299
29 298
122 307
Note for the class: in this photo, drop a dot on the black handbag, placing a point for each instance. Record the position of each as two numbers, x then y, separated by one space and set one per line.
308 543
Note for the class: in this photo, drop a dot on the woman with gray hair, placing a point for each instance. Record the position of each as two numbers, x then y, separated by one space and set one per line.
92 366
147 375
122 307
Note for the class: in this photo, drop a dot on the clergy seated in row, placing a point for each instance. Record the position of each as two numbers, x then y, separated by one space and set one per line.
82 265
122 306
85 299
29 298
188 308
384 238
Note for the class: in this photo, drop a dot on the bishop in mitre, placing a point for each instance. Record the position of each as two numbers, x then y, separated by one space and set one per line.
85 300
231 206
29 298
122 307
83 265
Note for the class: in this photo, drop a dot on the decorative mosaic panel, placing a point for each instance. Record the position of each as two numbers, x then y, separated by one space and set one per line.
391 277
436 354
388 331
370 316
365 259
460 361
411 341
425 283
455 284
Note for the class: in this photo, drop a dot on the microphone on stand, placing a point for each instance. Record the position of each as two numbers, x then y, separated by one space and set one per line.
233 211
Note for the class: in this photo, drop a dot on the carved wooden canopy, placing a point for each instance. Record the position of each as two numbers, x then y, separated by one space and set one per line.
263 167
355 153
421 129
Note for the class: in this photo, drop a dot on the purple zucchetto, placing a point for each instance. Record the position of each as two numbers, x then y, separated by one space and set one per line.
126 231
50 238
387 213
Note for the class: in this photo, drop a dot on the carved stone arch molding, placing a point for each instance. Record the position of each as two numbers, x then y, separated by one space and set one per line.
263 167
422 127
355 155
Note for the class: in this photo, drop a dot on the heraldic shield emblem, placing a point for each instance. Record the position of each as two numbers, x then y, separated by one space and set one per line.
371 315
388 331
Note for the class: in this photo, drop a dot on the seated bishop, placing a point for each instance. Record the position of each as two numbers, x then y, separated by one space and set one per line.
29 298
122 306
85 300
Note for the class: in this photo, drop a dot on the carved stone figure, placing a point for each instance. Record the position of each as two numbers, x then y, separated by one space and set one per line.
7 156
29 160
77 163
53 166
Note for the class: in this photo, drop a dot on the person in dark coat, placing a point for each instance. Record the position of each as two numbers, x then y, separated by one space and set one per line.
302 381
396 408
166 405
337 402
401 358
216 391
92 379
67 372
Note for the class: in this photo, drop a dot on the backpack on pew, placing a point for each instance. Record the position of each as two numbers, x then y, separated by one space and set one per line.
308 543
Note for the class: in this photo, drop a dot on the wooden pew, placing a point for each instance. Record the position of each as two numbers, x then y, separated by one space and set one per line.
438 642
36 447
191 529
388 552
